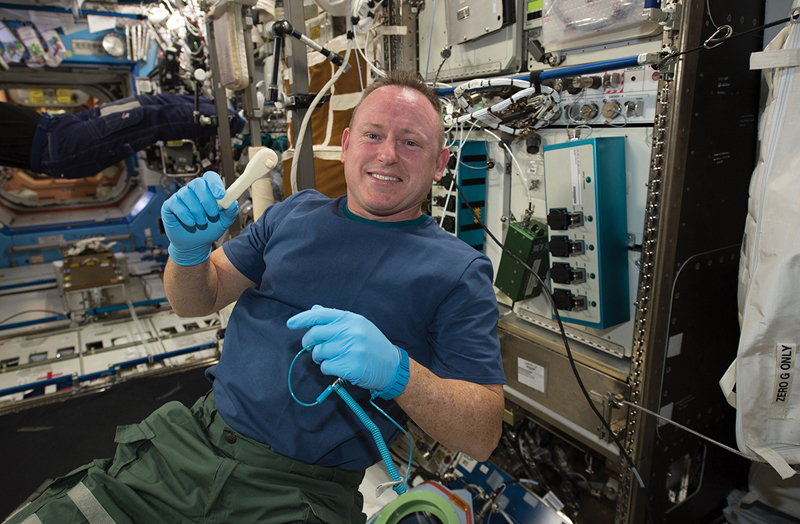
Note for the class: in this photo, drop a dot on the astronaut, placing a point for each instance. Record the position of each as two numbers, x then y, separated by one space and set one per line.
83 144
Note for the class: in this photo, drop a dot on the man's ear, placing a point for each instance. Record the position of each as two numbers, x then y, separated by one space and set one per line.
441 163
345 143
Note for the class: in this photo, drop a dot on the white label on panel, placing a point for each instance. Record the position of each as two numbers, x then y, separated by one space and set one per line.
666 412
575 169
674 345
553 501
533 280
52 239
530 499
467 462
530 374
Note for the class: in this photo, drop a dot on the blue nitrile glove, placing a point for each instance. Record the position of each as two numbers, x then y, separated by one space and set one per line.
349 346
193 220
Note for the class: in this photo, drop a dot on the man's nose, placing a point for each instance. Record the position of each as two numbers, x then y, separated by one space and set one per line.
388 152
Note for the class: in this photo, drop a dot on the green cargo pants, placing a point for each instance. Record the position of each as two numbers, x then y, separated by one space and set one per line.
188 466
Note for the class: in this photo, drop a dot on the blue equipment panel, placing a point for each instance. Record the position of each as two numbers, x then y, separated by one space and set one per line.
86 48
585 189
140 228
82 47
472 181
449 209
516 501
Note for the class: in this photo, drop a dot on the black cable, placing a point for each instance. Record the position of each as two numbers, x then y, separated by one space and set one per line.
445 55
436 77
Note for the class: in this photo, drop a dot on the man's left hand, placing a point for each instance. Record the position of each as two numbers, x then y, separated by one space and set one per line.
349 346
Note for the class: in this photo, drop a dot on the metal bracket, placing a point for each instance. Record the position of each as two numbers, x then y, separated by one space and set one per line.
655 15
303 101
609 402
673 11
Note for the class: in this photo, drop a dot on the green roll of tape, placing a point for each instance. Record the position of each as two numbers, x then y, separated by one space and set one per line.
418 502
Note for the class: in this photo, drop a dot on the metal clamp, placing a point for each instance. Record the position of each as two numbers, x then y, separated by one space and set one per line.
722 33
303 101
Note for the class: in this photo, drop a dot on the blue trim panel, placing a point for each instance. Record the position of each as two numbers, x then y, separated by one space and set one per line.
69 379
33 322
471 178
28 284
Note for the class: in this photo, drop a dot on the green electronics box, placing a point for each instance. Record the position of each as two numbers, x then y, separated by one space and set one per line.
529 243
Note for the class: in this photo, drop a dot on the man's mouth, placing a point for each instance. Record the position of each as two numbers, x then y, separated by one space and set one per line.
384 177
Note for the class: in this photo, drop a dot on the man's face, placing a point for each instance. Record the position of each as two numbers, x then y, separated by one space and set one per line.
391 154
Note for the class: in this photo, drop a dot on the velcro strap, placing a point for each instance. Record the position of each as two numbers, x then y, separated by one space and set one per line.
91 509
110 109
775 58
773 458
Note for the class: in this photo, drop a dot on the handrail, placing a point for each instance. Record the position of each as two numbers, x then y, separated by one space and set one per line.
117 307
96 311
112 370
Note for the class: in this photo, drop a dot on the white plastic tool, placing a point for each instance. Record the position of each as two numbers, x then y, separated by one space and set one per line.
258 166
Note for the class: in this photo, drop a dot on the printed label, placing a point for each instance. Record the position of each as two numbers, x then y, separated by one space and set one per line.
533 281
88 47
467 462
784 374
36 96
52 239
530 374
575 170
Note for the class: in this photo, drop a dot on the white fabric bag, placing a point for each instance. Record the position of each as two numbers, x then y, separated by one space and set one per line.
767 401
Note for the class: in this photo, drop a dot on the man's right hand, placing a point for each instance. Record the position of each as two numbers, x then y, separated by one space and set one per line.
193 220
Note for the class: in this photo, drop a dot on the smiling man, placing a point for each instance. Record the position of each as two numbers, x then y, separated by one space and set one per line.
393 151
384 298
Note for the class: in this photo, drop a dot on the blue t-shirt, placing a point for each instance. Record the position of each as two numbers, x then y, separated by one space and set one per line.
428 292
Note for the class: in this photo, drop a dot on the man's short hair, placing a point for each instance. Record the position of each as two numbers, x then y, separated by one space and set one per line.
407 79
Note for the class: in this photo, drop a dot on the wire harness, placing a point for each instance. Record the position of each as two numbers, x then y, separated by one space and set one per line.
528 108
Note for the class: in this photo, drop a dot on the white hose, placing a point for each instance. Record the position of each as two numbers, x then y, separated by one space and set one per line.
307 118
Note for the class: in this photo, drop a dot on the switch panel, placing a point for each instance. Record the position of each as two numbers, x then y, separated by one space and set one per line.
586 213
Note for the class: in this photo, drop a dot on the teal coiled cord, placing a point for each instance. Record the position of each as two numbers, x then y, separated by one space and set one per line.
400 487
338 386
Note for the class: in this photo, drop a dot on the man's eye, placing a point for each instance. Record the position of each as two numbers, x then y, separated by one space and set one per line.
411 143
372 135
